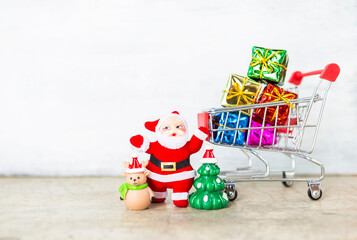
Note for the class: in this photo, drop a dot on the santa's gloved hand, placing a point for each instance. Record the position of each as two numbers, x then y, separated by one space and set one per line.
204 130
137 141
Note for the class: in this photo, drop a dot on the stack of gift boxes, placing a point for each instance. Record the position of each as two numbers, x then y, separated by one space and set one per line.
265 75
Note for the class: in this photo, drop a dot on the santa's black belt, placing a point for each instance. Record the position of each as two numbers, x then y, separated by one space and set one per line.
169 166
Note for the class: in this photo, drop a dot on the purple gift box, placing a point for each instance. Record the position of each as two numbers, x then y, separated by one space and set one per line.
268 134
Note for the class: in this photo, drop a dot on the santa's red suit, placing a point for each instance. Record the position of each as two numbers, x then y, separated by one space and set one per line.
170 167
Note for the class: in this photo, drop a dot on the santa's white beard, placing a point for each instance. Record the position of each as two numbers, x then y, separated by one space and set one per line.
172 142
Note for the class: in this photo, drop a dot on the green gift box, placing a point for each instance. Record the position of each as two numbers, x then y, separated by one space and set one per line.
268 65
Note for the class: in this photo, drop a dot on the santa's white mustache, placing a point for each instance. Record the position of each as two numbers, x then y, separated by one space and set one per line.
172 142
169 132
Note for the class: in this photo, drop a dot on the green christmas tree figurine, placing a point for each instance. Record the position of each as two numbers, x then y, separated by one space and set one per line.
209 186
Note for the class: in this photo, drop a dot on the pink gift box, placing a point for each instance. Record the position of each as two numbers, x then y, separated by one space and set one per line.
267 136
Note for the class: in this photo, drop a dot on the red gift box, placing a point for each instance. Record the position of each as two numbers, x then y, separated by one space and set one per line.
293 122
273 94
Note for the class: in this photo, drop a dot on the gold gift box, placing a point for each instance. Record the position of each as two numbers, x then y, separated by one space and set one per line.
240 91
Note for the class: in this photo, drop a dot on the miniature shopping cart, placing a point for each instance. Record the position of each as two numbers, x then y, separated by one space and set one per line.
295 139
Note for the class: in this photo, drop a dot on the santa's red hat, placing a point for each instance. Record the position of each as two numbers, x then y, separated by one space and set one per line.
208 157
154 125
135 166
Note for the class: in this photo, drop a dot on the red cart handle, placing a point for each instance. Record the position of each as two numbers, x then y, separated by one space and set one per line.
203 120
330 73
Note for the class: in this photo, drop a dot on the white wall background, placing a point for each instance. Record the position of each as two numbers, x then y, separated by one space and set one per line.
78 78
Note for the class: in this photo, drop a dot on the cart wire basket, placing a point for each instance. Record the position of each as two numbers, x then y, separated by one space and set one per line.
295 139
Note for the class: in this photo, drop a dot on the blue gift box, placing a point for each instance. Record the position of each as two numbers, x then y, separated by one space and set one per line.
219 121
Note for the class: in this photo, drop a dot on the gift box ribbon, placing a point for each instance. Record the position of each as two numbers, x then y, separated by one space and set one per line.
238 91
220 125
280 96
265 61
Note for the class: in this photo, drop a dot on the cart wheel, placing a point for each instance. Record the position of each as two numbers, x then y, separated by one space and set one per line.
232 195
314 195
287 183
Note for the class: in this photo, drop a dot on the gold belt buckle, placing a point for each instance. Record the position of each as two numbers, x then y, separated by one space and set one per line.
173 168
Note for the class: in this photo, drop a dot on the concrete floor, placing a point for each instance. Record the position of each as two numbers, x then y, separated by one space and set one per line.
89 208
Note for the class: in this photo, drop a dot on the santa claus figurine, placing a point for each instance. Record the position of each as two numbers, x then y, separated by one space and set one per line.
169 163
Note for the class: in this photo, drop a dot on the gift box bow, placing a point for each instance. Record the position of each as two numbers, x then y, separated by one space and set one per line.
265 61
281 97
240 93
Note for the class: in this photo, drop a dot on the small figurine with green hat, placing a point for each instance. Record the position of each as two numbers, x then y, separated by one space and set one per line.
136 193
